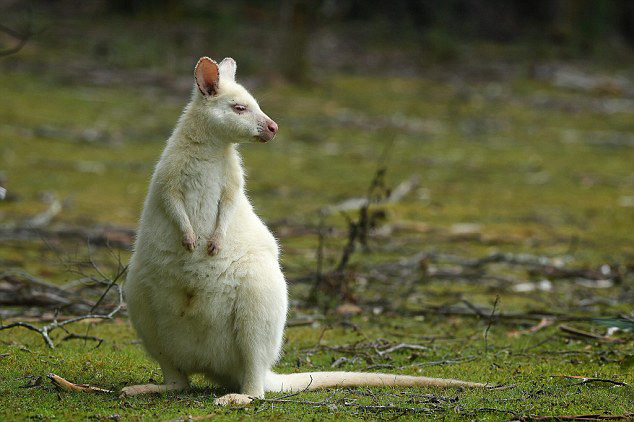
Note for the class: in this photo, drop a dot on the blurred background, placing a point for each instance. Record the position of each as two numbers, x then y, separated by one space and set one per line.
452 187
504 126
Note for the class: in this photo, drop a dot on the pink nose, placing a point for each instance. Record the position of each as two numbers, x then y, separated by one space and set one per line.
272 127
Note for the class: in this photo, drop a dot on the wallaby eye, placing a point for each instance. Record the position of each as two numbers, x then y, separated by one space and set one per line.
239 108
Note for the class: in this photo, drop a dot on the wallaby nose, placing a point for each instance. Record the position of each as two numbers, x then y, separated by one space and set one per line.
272 126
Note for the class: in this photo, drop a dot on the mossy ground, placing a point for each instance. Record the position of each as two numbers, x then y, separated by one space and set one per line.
541 169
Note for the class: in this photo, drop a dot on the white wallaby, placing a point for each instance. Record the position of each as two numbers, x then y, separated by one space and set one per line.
204 289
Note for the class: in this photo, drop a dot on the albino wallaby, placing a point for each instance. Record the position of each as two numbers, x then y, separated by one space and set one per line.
218 309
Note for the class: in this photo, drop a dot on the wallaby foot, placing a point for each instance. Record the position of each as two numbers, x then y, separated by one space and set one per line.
174 381
136 390
233 400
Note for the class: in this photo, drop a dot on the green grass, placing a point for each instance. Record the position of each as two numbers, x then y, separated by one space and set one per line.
534 364
537 167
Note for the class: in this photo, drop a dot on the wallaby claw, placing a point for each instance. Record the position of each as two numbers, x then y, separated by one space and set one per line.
213 245
189 241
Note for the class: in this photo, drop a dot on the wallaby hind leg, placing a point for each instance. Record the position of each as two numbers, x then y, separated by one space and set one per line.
259 325
173 380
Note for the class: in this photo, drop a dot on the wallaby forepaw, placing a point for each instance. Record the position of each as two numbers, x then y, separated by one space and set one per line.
233 400
189 241
213 245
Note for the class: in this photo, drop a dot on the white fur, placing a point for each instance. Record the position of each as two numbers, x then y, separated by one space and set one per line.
204 289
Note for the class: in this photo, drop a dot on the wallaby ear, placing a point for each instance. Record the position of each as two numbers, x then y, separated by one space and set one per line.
207 76
228 68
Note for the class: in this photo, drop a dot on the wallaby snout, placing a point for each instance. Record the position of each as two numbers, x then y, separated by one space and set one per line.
267 131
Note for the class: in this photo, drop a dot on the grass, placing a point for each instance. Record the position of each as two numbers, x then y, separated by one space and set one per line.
541 169
536 370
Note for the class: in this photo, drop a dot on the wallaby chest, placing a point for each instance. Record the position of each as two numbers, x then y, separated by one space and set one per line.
202 183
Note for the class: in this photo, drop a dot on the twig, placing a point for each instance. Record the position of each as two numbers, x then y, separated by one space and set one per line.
65 385
116 278
486 332
336 282
447 361
394 196
541 265
586 380
402 189
592 417
545 322
44 218
41 331
118 237
378 366
23 289
301 322
585 334
474 308
321 239
401 347
341 361
461 311
46 330
21 36
348 250
73 336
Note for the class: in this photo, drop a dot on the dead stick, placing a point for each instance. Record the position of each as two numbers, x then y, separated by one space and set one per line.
62 384
586 334
486 332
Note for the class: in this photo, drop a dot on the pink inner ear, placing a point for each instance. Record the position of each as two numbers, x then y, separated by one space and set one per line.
207 76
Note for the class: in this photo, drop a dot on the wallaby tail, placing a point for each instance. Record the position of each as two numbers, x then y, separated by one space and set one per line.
316 380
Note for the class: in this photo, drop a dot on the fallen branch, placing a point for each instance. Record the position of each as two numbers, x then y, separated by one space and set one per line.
335 283
41 331
537 265
43 219
587 380
369 350
18 288
545 322
47 329
378 366
21 36
592 417
73 336
64 385
402 346
395 195
584 334
116 237
302 322
446 361
464 311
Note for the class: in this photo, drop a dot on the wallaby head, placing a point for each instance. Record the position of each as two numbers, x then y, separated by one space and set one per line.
227 106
